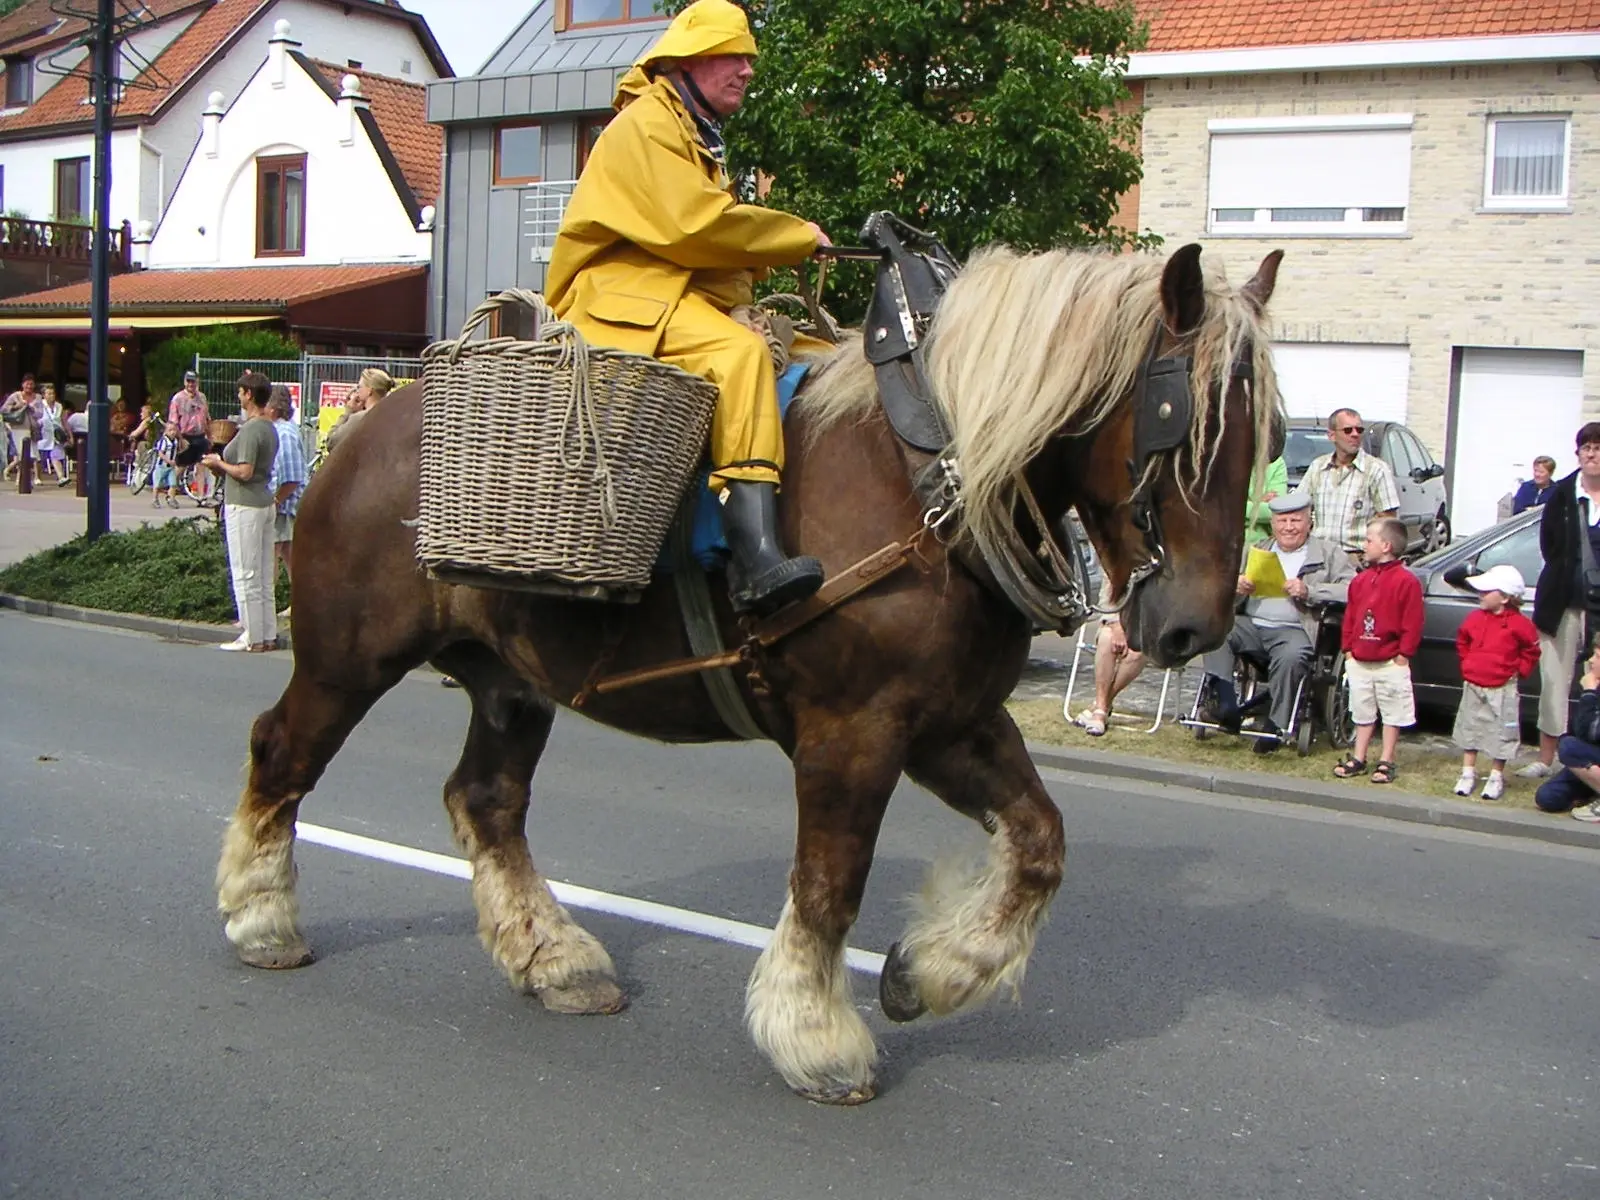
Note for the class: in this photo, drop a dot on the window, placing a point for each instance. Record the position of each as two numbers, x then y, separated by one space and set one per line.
1527 163
280 206
1520 549
1310 176
570 13
19 82
590 128
73 177
519 153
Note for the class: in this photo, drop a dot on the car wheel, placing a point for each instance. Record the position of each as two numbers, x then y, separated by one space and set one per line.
1437 534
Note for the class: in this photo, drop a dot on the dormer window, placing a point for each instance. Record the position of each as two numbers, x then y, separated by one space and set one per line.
19 82
281 206
571 14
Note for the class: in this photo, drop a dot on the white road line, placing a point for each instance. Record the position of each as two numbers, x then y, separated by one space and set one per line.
649 912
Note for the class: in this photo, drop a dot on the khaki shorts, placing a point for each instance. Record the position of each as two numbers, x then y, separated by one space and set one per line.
1488 720
1380 690
282 528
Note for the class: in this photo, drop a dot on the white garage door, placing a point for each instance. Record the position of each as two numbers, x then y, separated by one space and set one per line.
1512 406
1317 378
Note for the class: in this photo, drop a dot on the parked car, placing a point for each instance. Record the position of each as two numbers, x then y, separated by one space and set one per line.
1419 479
1446 601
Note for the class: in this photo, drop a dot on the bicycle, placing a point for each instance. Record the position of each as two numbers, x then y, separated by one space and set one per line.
141 467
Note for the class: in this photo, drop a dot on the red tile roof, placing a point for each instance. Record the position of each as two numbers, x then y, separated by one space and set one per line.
1242 24
401 110
253 288
222 22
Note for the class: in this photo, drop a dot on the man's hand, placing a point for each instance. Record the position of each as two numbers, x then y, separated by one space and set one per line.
1295 589
822 238
1245 587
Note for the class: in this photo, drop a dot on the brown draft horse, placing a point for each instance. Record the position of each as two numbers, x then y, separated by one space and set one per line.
1034 360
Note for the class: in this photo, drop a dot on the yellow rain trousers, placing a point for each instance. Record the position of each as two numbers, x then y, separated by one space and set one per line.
654 251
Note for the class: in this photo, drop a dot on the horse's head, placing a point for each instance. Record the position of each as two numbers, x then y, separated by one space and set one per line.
1162 481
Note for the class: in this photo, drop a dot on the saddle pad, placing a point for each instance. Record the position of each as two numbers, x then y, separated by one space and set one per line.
706 543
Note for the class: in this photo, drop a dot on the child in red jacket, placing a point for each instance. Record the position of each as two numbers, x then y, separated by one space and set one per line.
1382 630
1496 644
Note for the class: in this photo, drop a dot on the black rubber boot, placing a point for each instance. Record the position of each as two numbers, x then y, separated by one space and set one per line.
761 579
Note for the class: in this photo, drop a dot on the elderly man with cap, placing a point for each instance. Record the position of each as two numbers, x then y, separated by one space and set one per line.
1280 628
653 253
188 410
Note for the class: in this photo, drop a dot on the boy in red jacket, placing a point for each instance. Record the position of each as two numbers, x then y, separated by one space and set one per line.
1496 644
1382 630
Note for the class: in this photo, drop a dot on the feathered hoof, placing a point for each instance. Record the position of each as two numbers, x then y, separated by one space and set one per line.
590 996
898 994
277 958
843 1096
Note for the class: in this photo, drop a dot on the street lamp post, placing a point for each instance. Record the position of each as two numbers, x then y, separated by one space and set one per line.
103 83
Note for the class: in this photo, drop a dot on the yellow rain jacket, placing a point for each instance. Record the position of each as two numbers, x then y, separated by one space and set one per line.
654 249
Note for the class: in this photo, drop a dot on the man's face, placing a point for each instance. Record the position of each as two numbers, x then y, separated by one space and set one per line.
1290 530
189 385
1345 432
722 79
1589 460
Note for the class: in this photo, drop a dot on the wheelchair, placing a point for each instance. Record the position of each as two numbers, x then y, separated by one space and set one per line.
1322 703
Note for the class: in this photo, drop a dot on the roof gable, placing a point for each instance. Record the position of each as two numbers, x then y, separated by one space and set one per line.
397 122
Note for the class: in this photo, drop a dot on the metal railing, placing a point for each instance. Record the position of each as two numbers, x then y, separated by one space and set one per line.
543 206
63 241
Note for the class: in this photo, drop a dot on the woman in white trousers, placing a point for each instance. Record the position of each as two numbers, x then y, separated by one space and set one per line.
246 464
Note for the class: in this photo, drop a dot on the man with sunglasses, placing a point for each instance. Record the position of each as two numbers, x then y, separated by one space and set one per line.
1349 487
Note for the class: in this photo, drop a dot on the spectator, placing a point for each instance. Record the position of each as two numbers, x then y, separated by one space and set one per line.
1569 537
121 420
52 437
246 462
1258 522
1382 630
164 473
1282 629
287 482
372 387
1534 492
1496 644
188 407
1348 488
1575 786
20 415
1116 665
149 428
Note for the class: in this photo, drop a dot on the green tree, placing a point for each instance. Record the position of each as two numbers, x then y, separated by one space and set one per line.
164 364
978 120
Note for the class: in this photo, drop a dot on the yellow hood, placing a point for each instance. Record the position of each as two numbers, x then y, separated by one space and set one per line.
705 28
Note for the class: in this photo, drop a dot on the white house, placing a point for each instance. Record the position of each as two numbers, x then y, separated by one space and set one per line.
310 163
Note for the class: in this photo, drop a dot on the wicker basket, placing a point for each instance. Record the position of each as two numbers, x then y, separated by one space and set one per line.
548 465
220 432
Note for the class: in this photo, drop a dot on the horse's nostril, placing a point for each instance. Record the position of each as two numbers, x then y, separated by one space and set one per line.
1179 645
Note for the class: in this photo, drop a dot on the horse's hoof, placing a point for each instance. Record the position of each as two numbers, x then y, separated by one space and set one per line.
898 994
593 995
277 958
843 1095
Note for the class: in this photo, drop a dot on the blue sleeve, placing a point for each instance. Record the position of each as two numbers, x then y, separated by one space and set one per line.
1524 497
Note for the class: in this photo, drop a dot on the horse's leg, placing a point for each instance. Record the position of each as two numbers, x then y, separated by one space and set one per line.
976 929
538 945
290 745
798 1004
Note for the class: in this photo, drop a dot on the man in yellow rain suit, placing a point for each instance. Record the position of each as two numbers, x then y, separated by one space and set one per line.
654 251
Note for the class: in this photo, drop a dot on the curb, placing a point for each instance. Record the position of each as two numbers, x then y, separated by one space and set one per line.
1396 806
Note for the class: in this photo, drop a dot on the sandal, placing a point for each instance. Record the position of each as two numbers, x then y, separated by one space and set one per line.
1093 721
1385 772
1350 767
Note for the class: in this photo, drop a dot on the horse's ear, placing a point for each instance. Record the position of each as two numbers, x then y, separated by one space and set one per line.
1183 291
1259 290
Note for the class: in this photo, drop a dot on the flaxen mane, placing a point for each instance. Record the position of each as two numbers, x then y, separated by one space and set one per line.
1026 347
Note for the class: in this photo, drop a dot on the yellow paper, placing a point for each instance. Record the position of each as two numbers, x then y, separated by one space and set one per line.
1265 571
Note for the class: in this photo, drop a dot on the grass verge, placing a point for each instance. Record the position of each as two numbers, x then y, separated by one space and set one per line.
176 570
1426 768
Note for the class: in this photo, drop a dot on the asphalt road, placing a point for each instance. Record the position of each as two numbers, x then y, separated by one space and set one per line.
1232 1000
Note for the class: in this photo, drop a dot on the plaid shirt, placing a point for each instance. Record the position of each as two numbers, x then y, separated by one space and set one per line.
1344 499
288 466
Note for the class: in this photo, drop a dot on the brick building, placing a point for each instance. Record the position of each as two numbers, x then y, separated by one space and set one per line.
1430 171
